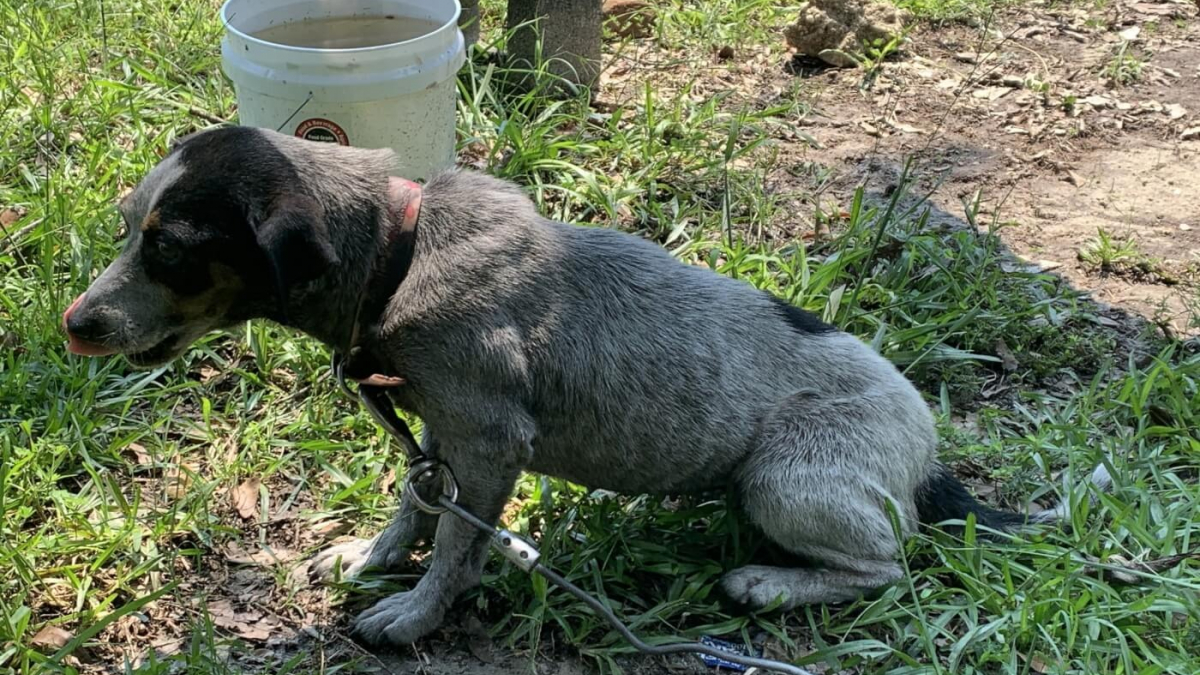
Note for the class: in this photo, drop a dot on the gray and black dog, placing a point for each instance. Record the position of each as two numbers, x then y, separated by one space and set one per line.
531 345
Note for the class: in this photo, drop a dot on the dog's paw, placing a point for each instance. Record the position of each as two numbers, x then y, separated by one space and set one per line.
342 561
399 619
754 586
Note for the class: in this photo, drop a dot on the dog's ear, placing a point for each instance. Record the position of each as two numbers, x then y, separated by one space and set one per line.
296 241
177 141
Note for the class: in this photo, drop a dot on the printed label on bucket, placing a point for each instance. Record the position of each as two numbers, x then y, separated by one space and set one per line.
322 131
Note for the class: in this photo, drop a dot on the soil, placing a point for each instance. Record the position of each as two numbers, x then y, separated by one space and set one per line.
1018 109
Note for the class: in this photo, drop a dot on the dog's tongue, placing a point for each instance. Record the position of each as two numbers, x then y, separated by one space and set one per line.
78 346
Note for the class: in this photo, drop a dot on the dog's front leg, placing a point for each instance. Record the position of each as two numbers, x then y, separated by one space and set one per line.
486 475
387 550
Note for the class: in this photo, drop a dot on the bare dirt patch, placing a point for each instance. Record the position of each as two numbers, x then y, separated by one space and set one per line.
1064 120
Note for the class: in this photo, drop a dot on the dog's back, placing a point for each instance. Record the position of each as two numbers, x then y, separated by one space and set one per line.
640 372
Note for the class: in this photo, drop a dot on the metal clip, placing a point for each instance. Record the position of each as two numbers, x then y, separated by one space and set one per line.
424 472
518 551
385 420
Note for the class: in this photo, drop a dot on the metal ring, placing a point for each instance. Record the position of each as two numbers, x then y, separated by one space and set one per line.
339 373
421 472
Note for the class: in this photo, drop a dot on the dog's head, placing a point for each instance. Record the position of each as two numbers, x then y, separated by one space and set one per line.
218 232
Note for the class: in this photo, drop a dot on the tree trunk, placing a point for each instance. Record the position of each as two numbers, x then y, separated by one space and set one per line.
468 20
570 33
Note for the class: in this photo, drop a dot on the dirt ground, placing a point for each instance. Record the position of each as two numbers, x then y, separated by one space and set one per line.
1058 156
1023 109
1020 110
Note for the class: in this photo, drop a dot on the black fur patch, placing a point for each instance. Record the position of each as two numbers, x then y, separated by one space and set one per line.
801 321
941 497
239 202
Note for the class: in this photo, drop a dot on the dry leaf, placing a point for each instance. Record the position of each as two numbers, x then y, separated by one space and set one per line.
991 93
1189 134
1175 110
332 529
8 217
51 637
262 558
178 479
245 498
387 481
258 632
140 455
1007 359
249 624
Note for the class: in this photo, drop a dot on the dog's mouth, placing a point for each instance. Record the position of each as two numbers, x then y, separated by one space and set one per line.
161 352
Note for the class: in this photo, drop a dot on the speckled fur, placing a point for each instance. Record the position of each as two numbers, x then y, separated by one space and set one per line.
587 354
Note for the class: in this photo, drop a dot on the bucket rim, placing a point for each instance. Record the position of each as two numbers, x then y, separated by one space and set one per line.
230 28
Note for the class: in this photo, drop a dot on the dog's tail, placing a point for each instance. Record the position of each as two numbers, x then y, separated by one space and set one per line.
943 497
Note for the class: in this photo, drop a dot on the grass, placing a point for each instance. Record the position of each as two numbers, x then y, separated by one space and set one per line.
113 483
950 11
1107 253
1124 67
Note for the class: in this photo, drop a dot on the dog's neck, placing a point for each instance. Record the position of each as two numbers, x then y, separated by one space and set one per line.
326 309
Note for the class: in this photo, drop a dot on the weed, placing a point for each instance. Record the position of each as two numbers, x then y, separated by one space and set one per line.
1124 67
872 57
1107 253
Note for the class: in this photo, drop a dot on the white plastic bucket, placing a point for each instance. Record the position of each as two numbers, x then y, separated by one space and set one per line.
399 95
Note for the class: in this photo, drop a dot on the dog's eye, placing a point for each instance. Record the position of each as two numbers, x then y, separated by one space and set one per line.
168 250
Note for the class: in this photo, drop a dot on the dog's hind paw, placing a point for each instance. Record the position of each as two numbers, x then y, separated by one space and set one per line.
340 561
753 587
399 619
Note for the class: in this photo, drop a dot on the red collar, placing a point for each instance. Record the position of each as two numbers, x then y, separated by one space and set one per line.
390 269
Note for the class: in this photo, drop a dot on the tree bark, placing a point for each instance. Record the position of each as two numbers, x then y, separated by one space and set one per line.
570 33
468 21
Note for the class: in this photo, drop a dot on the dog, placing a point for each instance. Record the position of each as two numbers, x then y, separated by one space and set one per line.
525 344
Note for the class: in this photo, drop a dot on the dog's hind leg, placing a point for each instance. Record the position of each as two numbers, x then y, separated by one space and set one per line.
819 483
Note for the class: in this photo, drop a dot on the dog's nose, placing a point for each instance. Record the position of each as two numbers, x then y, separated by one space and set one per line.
85 331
